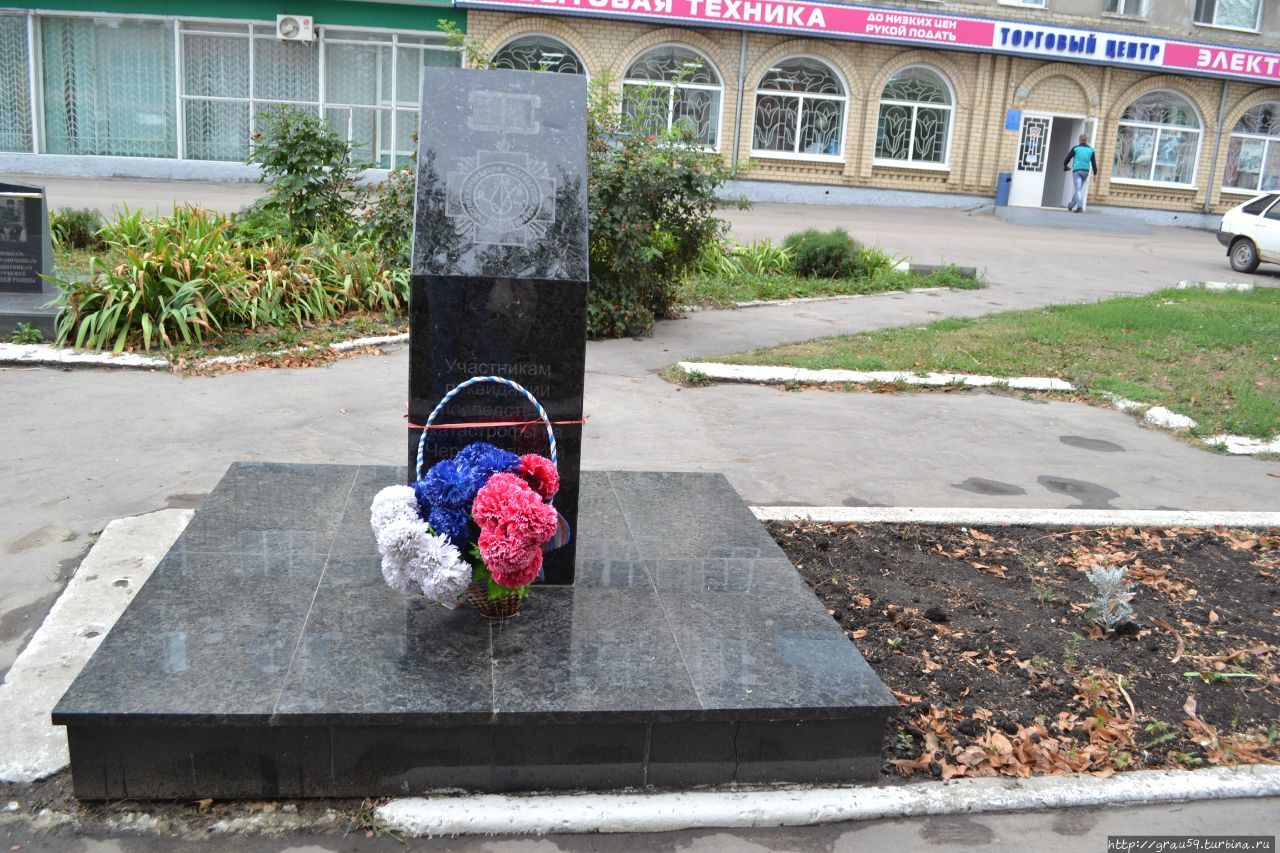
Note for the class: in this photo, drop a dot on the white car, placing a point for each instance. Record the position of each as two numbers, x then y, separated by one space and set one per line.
1251 233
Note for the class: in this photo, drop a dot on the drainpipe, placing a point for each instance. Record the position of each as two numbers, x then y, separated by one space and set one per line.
1217 145
737 115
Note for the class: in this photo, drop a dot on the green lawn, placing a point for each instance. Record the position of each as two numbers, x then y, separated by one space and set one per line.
1210 355
722 292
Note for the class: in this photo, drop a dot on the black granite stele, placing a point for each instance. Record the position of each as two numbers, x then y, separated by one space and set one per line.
499 275
265 657
26 257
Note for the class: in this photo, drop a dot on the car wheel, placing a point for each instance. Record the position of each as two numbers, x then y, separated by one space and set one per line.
1244 255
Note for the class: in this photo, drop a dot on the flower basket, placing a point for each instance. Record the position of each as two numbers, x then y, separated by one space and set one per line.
475 524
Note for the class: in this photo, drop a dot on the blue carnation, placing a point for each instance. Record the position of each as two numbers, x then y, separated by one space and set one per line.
452 523
452 483
487 458
424 499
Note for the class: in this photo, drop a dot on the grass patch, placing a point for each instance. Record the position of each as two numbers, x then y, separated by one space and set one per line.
722 291
270 339
73 263
1212 356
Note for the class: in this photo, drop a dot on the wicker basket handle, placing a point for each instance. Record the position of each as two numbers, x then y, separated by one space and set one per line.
476 380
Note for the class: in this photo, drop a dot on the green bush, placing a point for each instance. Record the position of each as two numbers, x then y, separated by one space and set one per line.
258 223
183 277
823 254
76 229
651 204
387 216
25 333
309 169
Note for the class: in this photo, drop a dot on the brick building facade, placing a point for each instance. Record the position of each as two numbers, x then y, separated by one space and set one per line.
1171 142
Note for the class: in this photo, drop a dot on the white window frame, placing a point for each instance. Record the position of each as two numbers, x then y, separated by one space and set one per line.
1025 4
797 154
671 87
1144 7
1257 20
254 29
1148 125
1267 141
927 165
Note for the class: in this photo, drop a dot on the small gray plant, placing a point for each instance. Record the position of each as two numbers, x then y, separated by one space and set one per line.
1110 608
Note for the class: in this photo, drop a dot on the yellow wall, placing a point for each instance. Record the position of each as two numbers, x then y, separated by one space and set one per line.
985 85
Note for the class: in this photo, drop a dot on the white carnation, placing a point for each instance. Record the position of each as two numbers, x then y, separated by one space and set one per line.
402 540
440 570
391 504
393 572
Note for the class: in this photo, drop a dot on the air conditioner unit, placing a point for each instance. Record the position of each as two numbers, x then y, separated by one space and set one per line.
295 28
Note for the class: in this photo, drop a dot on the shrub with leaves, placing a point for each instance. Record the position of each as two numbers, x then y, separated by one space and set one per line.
651 201
823 254
387 216
1110 606
309 170
76 229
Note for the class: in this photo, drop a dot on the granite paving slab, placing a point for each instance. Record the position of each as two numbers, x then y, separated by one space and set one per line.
266 657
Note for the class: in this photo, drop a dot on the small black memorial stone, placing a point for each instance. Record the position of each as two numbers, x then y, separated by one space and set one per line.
26 254
499 276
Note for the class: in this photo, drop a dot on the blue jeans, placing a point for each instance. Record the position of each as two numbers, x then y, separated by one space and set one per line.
1079 176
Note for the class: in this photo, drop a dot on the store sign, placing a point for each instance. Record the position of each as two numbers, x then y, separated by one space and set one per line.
864 23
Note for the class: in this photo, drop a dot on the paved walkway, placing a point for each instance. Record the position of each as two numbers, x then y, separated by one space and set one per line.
1073 830
89 446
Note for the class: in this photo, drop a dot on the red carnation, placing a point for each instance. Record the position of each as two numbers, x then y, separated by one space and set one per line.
513 562
541 474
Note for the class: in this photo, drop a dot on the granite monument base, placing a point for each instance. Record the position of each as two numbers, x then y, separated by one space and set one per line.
266 658
28 308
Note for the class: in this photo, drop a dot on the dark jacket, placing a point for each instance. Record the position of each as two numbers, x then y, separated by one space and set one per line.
1071 155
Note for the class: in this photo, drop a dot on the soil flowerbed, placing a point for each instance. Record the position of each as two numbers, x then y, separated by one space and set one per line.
987 639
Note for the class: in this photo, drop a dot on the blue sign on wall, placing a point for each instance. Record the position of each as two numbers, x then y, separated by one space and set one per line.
1013 120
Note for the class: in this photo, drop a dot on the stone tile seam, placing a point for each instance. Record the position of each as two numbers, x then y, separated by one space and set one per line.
1159 416
653 586
315 593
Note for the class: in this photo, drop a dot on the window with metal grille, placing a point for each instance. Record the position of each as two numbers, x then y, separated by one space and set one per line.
538 53
677 89
914 127
108 86
799 109
15 85
1233 14
1253 153
1158 140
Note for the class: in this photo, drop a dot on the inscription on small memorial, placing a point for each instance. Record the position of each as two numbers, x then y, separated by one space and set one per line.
20 242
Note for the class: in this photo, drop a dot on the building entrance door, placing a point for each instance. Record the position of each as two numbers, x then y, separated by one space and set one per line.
1043 143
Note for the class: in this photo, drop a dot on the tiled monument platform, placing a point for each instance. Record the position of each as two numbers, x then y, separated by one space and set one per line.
265 657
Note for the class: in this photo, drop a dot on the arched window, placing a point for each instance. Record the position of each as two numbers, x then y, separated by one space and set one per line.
1253 155
538 53
915 119
675 88
1158 140
799 109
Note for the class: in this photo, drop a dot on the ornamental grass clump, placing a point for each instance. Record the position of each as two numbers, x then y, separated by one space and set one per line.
483 518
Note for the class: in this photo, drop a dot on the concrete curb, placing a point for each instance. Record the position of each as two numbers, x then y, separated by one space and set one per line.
492 814
44 355
1158 416
995 516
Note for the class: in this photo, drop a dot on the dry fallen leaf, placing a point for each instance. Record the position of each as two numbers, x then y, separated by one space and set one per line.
1189 707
